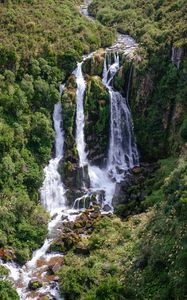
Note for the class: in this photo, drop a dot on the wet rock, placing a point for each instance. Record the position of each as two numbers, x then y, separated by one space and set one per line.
125 45
64 218
177 55
34 284
54 216
52 270
97 207
100 197
136 170
85 176
65 242
95 215
107 208
66 230
69 225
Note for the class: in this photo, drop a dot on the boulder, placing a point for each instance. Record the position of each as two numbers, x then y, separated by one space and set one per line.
82 249
65 242
137 170
107 208
34 284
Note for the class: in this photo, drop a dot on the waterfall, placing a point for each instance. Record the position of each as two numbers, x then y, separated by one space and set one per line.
53 198
122 154
52 191
80 142
99 179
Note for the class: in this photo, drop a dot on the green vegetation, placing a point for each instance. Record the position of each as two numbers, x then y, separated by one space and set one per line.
142 257
154 185
52 29
3 271
155 24
7 292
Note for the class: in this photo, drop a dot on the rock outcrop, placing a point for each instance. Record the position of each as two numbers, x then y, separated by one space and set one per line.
69 165
97 120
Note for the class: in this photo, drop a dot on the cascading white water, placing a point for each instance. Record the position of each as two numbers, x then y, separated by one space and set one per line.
99 179
53 198
52 191
80 142
122 154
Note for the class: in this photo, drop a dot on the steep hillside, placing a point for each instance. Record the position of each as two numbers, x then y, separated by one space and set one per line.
158 95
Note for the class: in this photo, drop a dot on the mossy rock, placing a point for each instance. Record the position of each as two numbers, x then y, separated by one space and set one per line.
65 242
34 285
122 79
69 106
94 64
69 166
97 120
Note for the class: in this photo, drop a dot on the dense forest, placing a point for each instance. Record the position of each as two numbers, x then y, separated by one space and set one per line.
140 251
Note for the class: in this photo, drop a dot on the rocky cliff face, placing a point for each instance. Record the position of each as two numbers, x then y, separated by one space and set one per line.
158 108
69 166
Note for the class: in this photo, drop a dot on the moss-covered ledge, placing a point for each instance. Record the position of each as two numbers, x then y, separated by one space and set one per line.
97 120
69 165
